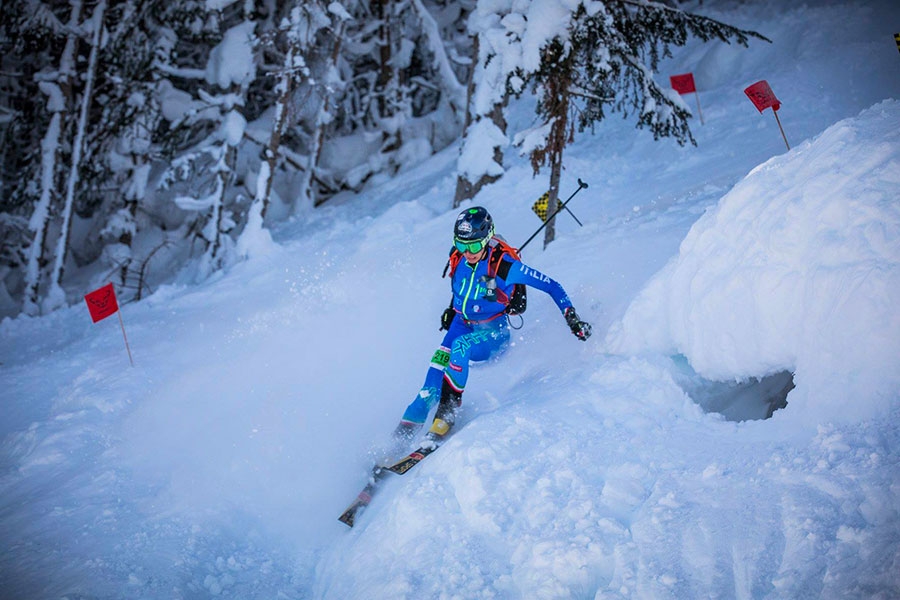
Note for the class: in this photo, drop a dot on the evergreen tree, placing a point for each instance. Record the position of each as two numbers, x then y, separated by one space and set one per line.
398 96
321 38
133 131
605 61
121 146
209 169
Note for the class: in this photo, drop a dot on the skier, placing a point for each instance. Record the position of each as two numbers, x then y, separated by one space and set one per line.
486 277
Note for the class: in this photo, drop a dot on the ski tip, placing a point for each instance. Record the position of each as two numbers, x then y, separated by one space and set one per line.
348 518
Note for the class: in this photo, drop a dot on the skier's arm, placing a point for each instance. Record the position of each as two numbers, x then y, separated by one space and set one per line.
518 272
522 273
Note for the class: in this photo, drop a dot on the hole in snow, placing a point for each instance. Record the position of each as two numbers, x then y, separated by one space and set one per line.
754 399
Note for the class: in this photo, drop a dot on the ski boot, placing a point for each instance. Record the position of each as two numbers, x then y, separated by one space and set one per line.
447 410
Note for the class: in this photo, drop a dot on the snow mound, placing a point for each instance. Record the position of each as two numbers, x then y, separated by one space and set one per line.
796 268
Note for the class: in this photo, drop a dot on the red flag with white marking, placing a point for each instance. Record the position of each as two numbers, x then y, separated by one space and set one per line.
102 302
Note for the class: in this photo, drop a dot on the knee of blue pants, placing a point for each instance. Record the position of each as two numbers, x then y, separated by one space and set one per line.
477 346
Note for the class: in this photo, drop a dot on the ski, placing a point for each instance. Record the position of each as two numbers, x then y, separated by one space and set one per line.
348 517
413 458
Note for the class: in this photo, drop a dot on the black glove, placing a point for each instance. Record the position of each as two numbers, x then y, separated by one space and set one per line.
447 318
581 329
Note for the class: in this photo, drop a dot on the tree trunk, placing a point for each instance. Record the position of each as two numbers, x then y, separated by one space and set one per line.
556 144
214 231
553 193
557 96
463 185
385 53
56 297
59 94
257 213
465 189
321 122
40 218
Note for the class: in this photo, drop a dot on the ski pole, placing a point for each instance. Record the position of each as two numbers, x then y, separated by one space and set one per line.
568 210
581 184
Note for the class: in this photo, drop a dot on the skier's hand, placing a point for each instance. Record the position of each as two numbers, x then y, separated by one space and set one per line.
447 318
581 329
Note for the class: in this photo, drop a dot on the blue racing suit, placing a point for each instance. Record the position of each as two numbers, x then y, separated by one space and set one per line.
479 329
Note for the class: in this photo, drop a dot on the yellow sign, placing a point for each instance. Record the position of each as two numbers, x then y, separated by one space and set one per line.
897 39
540 206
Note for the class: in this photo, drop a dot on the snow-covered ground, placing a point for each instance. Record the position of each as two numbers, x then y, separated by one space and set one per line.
636 465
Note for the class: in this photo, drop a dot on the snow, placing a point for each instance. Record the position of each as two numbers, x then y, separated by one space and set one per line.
176 104
218 465
231 62
796 268
477 158
233 126
546 19
56 102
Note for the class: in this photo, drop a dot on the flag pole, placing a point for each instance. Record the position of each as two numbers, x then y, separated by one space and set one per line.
781 128
125 337
697 95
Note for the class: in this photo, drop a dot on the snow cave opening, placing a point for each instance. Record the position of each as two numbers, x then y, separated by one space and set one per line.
756 398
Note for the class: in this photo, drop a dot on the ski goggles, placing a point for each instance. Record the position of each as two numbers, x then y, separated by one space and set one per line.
472 247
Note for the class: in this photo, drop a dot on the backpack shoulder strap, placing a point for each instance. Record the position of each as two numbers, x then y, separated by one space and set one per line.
452 262
499 250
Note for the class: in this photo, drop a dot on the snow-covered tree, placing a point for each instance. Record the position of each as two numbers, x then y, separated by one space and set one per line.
587 58
484 135
606 61
230 70
497 30
125 147
56 298
395 94
299 30
325 29
57 86
121 135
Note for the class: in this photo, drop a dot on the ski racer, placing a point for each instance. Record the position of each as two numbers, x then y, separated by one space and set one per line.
487 280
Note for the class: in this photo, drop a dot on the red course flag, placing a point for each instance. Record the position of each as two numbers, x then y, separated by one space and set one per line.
683 84
762 96
102 302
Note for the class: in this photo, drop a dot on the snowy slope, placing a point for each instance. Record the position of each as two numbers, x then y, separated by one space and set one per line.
218 465
601 476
